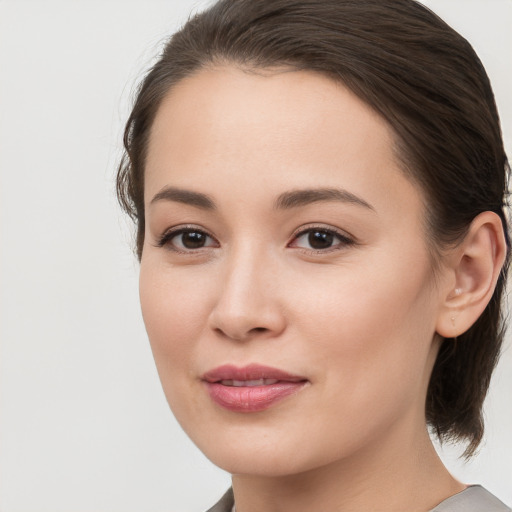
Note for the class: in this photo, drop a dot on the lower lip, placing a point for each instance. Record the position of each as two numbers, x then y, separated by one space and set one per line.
251 398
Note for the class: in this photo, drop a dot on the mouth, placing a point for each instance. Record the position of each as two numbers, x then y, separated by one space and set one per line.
248 383
252 388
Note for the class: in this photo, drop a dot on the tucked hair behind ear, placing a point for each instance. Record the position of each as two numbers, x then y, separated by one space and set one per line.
418 74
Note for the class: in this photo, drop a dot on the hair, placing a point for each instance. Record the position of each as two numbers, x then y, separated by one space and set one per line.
426 81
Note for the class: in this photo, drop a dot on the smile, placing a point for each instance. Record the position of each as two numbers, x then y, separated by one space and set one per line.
248 383
252 388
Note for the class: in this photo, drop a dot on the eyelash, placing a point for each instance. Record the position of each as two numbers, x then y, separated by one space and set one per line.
167 237
343 239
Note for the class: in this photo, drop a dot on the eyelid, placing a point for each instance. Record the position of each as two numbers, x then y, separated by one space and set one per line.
345 238
168 234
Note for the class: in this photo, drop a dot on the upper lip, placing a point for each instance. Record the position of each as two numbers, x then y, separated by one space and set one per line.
248 373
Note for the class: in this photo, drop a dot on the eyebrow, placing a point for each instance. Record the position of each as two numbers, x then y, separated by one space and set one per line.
303 197
184 196
286 200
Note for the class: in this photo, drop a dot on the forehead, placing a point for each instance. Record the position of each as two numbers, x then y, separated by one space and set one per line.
271 129
278 105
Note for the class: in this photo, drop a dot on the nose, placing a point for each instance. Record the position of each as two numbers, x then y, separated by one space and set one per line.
247 304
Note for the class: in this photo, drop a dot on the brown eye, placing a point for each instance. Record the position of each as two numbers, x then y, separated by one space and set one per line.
186 239
317 239
193 239
320 239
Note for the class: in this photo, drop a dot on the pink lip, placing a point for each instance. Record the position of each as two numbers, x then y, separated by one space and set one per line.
251 398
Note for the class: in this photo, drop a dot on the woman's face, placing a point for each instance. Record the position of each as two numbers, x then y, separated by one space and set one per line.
286 284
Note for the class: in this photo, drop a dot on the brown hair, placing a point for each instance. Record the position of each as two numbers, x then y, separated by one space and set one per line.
424 79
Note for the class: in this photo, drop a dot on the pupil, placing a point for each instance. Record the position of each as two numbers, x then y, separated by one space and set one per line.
320 239
193 240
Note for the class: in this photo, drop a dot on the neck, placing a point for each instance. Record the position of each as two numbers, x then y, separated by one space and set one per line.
404 474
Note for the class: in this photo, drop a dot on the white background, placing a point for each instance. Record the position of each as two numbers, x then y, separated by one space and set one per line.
84 425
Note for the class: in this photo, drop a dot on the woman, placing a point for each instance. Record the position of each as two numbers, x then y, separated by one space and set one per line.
318 190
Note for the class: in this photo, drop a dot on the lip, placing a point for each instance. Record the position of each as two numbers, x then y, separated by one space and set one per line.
226 386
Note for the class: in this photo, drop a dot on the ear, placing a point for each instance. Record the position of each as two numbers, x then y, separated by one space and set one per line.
475 264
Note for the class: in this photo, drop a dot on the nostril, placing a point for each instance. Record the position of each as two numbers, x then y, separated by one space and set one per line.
231 320
240 336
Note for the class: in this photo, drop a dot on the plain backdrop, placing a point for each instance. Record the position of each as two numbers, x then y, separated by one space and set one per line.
84 425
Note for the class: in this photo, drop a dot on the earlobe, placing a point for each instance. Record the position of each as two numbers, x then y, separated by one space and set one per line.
476 266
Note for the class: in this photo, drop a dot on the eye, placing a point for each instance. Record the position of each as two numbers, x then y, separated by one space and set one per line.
320 239
186 239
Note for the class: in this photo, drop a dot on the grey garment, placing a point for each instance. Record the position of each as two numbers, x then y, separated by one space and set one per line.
225 504
472 499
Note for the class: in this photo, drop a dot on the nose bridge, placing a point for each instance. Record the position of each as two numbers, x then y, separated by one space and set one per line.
247 303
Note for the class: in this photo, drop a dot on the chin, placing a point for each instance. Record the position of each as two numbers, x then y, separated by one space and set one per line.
264 464
265 455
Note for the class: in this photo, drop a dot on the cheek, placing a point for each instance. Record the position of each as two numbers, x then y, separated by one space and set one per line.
372 330
369 342
173 312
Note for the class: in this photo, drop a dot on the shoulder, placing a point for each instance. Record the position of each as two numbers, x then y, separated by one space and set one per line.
473 499
225 504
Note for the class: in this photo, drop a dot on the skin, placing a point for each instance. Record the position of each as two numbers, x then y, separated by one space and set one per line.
358 320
